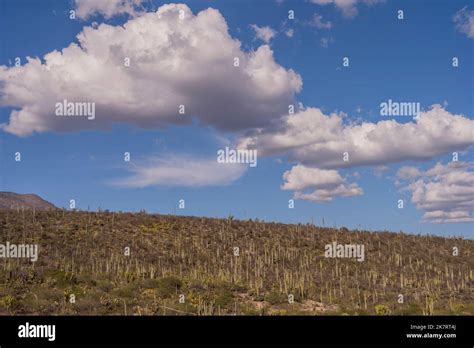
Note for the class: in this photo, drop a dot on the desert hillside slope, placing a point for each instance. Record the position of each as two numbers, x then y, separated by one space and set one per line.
11 200
142 264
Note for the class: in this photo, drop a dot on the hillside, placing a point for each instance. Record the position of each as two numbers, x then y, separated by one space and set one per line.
10 200
191 265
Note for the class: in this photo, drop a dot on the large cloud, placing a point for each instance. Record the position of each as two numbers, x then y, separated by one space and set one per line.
444 192
173 62
321 143
179 170
318 185
312 138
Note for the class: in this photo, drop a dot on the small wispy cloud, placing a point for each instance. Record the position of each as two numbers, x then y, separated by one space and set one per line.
347 7
464 21
325 41
319 22
263 33
108 8
181 170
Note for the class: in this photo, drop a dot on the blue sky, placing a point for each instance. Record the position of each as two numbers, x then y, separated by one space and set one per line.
401 60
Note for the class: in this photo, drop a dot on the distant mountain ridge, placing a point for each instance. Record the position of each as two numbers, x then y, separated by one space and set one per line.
11 200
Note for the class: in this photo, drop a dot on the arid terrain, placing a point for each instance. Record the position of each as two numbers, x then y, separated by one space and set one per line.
105 263
11 200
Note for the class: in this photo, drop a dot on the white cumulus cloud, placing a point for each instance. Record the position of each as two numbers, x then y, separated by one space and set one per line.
318 185
173 62
445 192
312 138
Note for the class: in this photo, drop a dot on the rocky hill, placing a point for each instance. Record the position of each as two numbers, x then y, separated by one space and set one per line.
11 200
